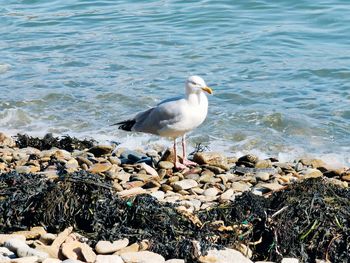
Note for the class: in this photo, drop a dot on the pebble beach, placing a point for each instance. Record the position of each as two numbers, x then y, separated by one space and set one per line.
216 180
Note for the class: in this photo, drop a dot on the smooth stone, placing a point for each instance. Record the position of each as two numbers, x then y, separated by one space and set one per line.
211 158
270 186
4 259
262 164
165 165
114 160
33 233
88 253
224 256
31 252
62 154
100 168
82 160
109 259
107 247
146 160
133 156
6 140
175 260
48 238
23 169
197 190
4 251
184 184
72 165
192 176
72 261
52 260
249 158
312 173
25 260
14 244
6 237
227 194
166 188
132 248
262 176
123 176
100 150
211 192
132 192
290 260
133 184
142 257
239 187
72 250
158 194
149 170
346 177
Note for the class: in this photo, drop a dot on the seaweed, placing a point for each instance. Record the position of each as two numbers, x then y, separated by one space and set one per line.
309 220
49 141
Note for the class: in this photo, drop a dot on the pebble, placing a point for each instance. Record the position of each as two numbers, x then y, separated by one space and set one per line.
184 184
211 158
149 170
290 260
166 165
263 176
6 140
26 251
224 256
107 247
52 260
25 260
100 168
158 194
239 187
211 192
312 173
271 186
132 192
100 150
109 259
227 194
4 251
6 237
133 156
175 260
72 250
142 257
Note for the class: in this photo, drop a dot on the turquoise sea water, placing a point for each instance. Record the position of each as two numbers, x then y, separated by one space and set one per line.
280 70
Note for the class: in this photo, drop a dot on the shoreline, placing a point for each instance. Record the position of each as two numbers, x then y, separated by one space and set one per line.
217 181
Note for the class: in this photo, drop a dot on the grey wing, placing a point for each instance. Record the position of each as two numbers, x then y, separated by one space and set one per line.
157 118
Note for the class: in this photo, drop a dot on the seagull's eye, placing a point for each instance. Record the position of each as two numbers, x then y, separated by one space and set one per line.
193 83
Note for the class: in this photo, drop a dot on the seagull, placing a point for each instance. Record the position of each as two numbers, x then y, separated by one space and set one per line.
174 117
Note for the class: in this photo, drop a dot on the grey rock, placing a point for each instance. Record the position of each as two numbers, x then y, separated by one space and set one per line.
133 155
184 184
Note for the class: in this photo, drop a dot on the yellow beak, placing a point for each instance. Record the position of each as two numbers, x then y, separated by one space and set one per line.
207 89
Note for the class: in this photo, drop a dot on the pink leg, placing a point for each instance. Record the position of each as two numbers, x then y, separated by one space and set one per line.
177 164
185 161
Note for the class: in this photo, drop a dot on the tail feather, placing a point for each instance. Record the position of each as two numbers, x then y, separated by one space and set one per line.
125 125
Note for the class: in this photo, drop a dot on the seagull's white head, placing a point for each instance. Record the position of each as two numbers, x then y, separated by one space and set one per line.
196 84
